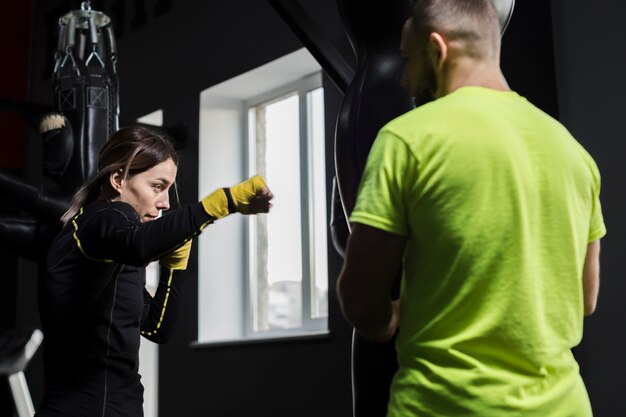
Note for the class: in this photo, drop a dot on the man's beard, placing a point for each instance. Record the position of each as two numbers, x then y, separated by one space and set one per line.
425 91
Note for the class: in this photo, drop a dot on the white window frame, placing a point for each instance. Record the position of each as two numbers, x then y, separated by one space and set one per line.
309 324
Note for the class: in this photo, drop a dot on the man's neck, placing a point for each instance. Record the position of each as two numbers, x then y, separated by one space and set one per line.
466 72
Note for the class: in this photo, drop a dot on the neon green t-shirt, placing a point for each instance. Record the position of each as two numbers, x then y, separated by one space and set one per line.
498 202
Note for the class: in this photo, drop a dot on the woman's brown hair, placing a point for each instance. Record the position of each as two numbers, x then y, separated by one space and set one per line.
130 151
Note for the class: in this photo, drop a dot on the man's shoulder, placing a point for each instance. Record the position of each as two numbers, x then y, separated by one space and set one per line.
425 121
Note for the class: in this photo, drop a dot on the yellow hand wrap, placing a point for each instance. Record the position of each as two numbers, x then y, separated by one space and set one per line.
243 192
178 258
216 204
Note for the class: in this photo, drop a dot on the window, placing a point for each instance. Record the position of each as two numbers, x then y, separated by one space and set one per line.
287 281
265 276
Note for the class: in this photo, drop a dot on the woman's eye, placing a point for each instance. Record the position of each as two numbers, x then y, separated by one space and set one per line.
158 187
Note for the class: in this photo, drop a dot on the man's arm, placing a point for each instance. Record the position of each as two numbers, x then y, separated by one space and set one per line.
591 277
372 262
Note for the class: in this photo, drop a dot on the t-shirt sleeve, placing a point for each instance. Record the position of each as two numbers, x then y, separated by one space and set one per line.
381 200
597 229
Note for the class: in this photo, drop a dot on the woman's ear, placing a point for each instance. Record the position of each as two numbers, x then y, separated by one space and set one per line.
116 180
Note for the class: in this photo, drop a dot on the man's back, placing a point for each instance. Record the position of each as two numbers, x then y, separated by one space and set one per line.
498 203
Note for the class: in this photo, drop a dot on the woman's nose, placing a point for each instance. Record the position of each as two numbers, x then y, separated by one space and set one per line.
163 203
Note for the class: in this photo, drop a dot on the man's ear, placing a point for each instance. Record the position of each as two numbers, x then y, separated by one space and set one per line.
439 48
116 179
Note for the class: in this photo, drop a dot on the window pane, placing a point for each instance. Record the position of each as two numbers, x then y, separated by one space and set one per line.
317 148
279 236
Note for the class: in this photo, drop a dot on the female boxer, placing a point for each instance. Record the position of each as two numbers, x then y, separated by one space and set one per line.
92 300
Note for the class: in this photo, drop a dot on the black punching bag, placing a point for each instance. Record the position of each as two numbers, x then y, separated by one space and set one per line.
374 97
86 89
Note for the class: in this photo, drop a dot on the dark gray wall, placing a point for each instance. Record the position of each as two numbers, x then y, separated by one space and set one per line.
166 60
590 52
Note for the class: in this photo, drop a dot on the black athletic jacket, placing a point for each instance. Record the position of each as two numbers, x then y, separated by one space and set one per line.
94 307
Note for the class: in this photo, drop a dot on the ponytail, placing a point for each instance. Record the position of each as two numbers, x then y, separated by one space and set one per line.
88 192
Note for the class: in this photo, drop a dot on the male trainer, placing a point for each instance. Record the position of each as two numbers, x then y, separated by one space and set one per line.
491 209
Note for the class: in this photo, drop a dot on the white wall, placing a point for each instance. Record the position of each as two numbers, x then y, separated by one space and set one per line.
149 351
221 246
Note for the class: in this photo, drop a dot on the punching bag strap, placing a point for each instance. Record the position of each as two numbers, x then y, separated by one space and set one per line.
110 37
70 42
93 38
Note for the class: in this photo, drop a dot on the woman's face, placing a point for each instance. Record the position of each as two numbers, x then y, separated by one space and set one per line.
147 192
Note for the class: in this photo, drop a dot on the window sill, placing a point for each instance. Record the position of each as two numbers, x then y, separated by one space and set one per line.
264 339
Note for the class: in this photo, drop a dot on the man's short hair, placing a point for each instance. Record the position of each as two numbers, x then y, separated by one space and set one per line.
473 22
